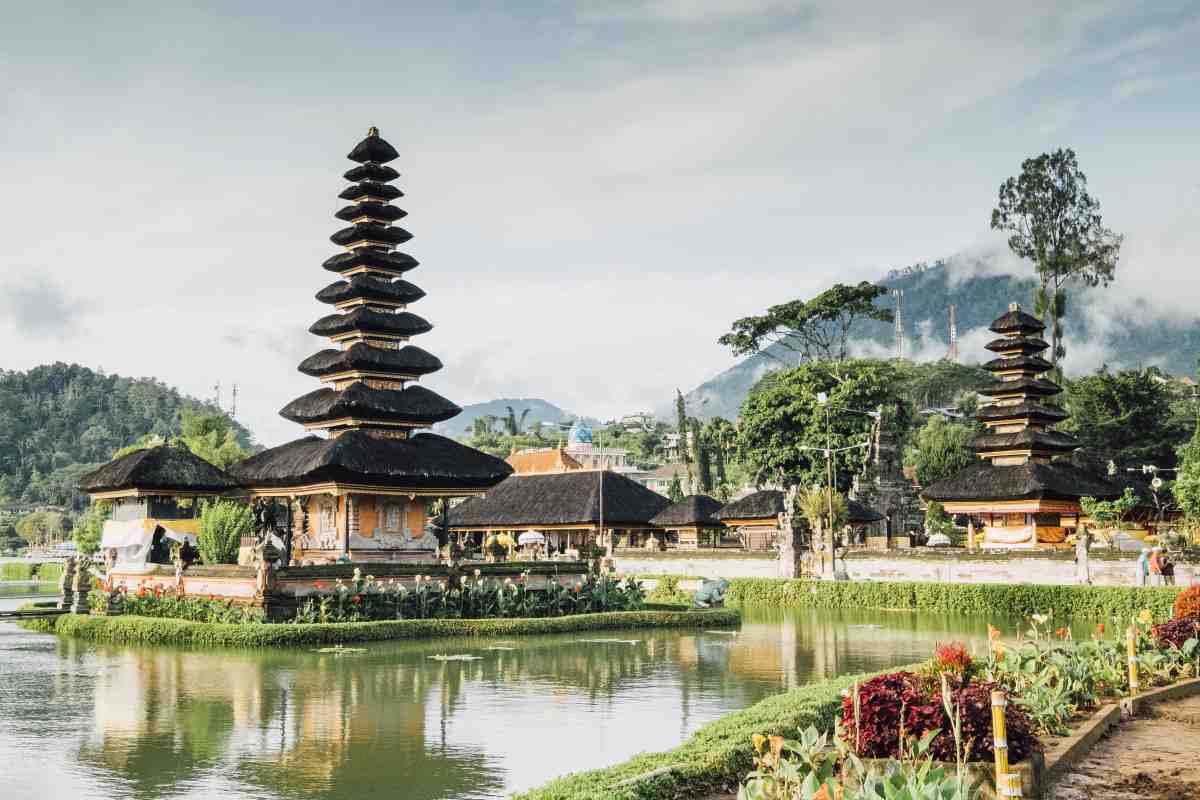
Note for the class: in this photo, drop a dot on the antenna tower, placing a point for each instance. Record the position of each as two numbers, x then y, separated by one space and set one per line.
233 408
953 354
899 295
217 394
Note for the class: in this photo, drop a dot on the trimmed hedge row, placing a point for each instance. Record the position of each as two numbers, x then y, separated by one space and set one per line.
30 571
156 631
982 599
716 756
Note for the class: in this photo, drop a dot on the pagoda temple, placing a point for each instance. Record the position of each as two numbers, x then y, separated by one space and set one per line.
1025 490
365 483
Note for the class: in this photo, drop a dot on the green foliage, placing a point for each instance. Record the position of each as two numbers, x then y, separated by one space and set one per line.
222 525
675 490
1053 222
43 527
983 599
63 420
784 429
818 329
1110 513
49 572
128 629
1187 481
815 505
938 521
682 428
1126 417
89 526
940 449
17 571
704 477
667 590
168 605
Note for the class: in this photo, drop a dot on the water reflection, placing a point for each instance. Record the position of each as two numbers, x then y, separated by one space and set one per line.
148 723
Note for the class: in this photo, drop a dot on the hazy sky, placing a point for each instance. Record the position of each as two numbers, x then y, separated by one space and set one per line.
596 190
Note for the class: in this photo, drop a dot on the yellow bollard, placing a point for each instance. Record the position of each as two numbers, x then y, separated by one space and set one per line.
1131 640
1000 740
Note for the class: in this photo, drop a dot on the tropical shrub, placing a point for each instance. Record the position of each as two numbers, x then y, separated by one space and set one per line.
365 598
50 572
17 571
667 590
1187 604
1177 632
222 526
891 708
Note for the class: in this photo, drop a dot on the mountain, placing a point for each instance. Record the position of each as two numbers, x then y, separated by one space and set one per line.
1132 336
59 421
539 411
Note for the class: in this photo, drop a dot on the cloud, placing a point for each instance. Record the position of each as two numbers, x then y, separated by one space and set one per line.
40 307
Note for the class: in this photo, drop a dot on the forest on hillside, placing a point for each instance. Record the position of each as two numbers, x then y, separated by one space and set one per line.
59 421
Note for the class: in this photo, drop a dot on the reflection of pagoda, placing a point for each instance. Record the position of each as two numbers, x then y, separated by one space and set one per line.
1024 491
364 488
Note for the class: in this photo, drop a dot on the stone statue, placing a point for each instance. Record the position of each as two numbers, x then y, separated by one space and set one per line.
81 585
178 573
785 542
110 560
264 579
66 583
711 593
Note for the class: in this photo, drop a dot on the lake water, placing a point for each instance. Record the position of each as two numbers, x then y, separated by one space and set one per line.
80 721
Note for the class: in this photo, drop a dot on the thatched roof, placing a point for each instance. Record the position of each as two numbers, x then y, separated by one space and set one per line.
760 505
1017 321
695 509
1050 441
371 209
370 287
408 360
1058 480
1026 344
368 320
1030 363
1039 386
370 257
370 172
413 403
562 498
859 514
423 461
370 189
373 148
370 232
1036 411
166 467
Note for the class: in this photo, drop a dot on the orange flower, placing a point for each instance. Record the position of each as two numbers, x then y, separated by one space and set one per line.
993 633
1063 633
1099 630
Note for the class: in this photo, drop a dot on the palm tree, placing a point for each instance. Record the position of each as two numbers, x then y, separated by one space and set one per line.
513 424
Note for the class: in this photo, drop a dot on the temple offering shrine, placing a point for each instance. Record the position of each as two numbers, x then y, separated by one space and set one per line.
367 484
1025 490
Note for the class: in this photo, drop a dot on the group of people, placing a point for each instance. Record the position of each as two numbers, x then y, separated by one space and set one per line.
1155 568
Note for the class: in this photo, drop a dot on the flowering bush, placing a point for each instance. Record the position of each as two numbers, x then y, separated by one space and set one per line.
953 658
1187 604
159 603
892 708
1177 632
365 598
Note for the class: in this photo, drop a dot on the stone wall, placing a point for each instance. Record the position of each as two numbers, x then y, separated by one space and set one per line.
1106 569
699 564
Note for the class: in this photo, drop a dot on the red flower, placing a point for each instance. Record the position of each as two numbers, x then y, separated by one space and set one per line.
1100 629
357 599
318 586
1063 633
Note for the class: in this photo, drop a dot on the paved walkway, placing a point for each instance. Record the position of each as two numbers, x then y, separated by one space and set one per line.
1154 757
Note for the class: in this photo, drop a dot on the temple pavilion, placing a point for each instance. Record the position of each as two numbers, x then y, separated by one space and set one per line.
1025 489
365 484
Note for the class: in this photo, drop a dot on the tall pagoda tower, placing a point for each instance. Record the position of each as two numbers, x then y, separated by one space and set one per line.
1025 490
364 484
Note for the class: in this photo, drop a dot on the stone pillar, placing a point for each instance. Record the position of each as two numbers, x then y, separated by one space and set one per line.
67 584
81 585
352 529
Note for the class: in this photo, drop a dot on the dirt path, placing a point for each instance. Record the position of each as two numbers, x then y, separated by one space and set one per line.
1154 757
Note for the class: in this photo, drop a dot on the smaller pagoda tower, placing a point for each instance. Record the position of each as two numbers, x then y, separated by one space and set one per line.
1024 491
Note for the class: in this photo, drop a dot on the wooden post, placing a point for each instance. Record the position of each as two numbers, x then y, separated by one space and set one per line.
1000 741
1131 640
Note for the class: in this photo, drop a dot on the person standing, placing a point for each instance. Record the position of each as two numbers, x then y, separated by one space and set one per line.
1156 576
1143 566
1083 573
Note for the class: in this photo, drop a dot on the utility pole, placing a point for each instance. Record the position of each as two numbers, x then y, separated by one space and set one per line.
953 354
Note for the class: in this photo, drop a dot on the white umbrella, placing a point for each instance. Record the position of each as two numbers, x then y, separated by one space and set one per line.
531 537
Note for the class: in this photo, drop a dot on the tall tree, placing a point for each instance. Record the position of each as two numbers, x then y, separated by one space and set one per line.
703 458
1186 487
817 329
1126 417
675 490
940 450
512 423
785 428
681 425
1053 222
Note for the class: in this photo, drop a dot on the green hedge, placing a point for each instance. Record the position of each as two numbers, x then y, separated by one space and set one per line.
716 756
155 631
982 599
49 571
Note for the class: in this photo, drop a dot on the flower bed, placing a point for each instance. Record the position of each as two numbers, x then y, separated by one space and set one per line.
986 600
151 631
